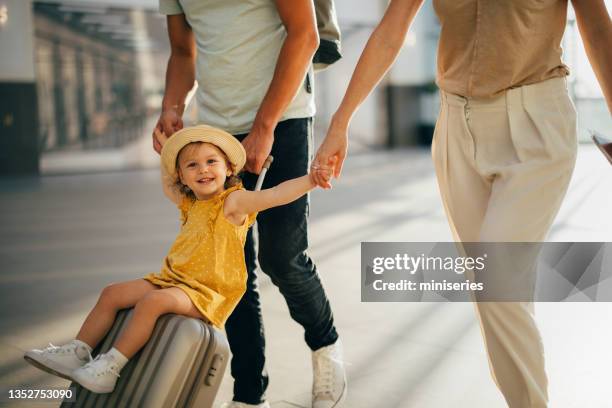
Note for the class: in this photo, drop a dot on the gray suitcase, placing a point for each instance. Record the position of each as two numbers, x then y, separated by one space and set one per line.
182 365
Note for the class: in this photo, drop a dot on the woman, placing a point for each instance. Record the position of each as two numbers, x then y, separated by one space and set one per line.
505 142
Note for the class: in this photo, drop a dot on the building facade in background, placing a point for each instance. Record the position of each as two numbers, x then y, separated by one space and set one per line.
96 76
83 80
91 67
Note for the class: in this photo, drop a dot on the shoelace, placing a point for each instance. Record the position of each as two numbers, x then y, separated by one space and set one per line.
323 379
55 349
93 366
50 349
63 349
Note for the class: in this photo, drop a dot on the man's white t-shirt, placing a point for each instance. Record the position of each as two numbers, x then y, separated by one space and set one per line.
238 42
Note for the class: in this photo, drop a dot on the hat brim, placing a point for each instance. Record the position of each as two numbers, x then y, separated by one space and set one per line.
231 146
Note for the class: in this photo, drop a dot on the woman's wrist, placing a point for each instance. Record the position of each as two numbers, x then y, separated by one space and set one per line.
340 120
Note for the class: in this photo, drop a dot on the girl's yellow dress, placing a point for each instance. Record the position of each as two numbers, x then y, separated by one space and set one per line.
207 258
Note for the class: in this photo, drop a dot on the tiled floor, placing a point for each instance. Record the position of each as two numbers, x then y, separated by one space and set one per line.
63 238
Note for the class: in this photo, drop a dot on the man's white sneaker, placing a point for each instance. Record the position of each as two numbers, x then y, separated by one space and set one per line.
99 375
60 361
235 404
329 382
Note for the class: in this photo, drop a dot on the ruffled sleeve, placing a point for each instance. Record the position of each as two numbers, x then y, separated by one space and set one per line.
251 218
227 192
217 204
184 205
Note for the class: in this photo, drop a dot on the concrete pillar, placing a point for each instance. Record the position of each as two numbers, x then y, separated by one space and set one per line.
19 151
411 93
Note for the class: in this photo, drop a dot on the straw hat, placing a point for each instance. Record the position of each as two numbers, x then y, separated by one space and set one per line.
202 133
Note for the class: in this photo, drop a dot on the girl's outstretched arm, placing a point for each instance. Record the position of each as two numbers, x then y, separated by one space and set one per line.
240 203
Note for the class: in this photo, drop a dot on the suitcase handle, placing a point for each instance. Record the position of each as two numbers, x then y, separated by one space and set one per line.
264 170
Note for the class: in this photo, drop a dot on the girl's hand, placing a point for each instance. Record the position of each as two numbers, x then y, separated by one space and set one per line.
159 139
169 122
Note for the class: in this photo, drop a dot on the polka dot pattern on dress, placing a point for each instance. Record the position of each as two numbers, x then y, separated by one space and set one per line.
207 258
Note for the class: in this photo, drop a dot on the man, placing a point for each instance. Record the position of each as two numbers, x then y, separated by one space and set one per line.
252 61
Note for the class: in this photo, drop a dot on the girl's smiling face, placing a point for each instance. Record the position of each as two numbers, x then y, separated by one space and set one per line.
203 168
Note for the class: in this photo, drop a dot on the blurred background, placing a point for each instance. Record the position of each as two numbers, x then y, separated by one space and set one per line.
81 206
81 83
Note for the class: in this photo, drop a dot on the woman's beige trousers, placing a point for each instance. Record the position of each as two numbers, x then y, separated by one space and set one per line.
503 166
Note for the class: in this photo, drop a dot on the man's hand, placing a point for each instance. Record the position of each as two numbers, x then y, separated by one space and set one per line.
169 122
331 155
258 145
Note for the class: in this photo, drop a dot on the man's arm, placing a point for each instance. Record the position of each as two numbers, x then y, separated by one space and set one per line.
180 76
293 62
596 31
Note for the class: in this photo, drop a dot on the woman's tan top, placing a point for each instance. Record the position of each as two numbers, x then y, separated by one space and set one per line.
488 46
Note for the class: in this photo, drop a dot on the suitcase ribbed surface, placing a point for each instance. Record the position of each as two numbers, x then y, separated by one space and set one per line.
146 381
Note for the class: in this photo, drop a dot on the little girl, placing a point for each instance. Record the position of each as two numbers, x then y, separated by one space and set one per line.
204 274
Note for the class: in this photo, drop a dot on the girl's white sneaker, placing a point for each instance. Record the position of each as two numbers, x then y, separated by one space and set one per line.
60 361
99 375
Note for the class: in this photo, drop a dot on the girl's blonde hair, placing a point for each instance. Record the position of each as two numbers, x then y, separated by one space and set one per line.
231 181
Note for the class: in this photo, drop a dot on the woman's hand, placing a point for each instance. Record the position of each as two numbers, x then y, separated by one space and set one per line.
330 157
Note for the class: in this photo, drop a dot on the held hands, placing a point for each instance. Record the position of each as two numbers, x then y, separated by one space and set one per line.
330 156
321 175
169 122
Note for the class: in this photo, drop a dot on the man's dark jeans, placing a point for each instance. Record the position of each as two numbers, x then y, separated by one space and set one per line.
283 240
